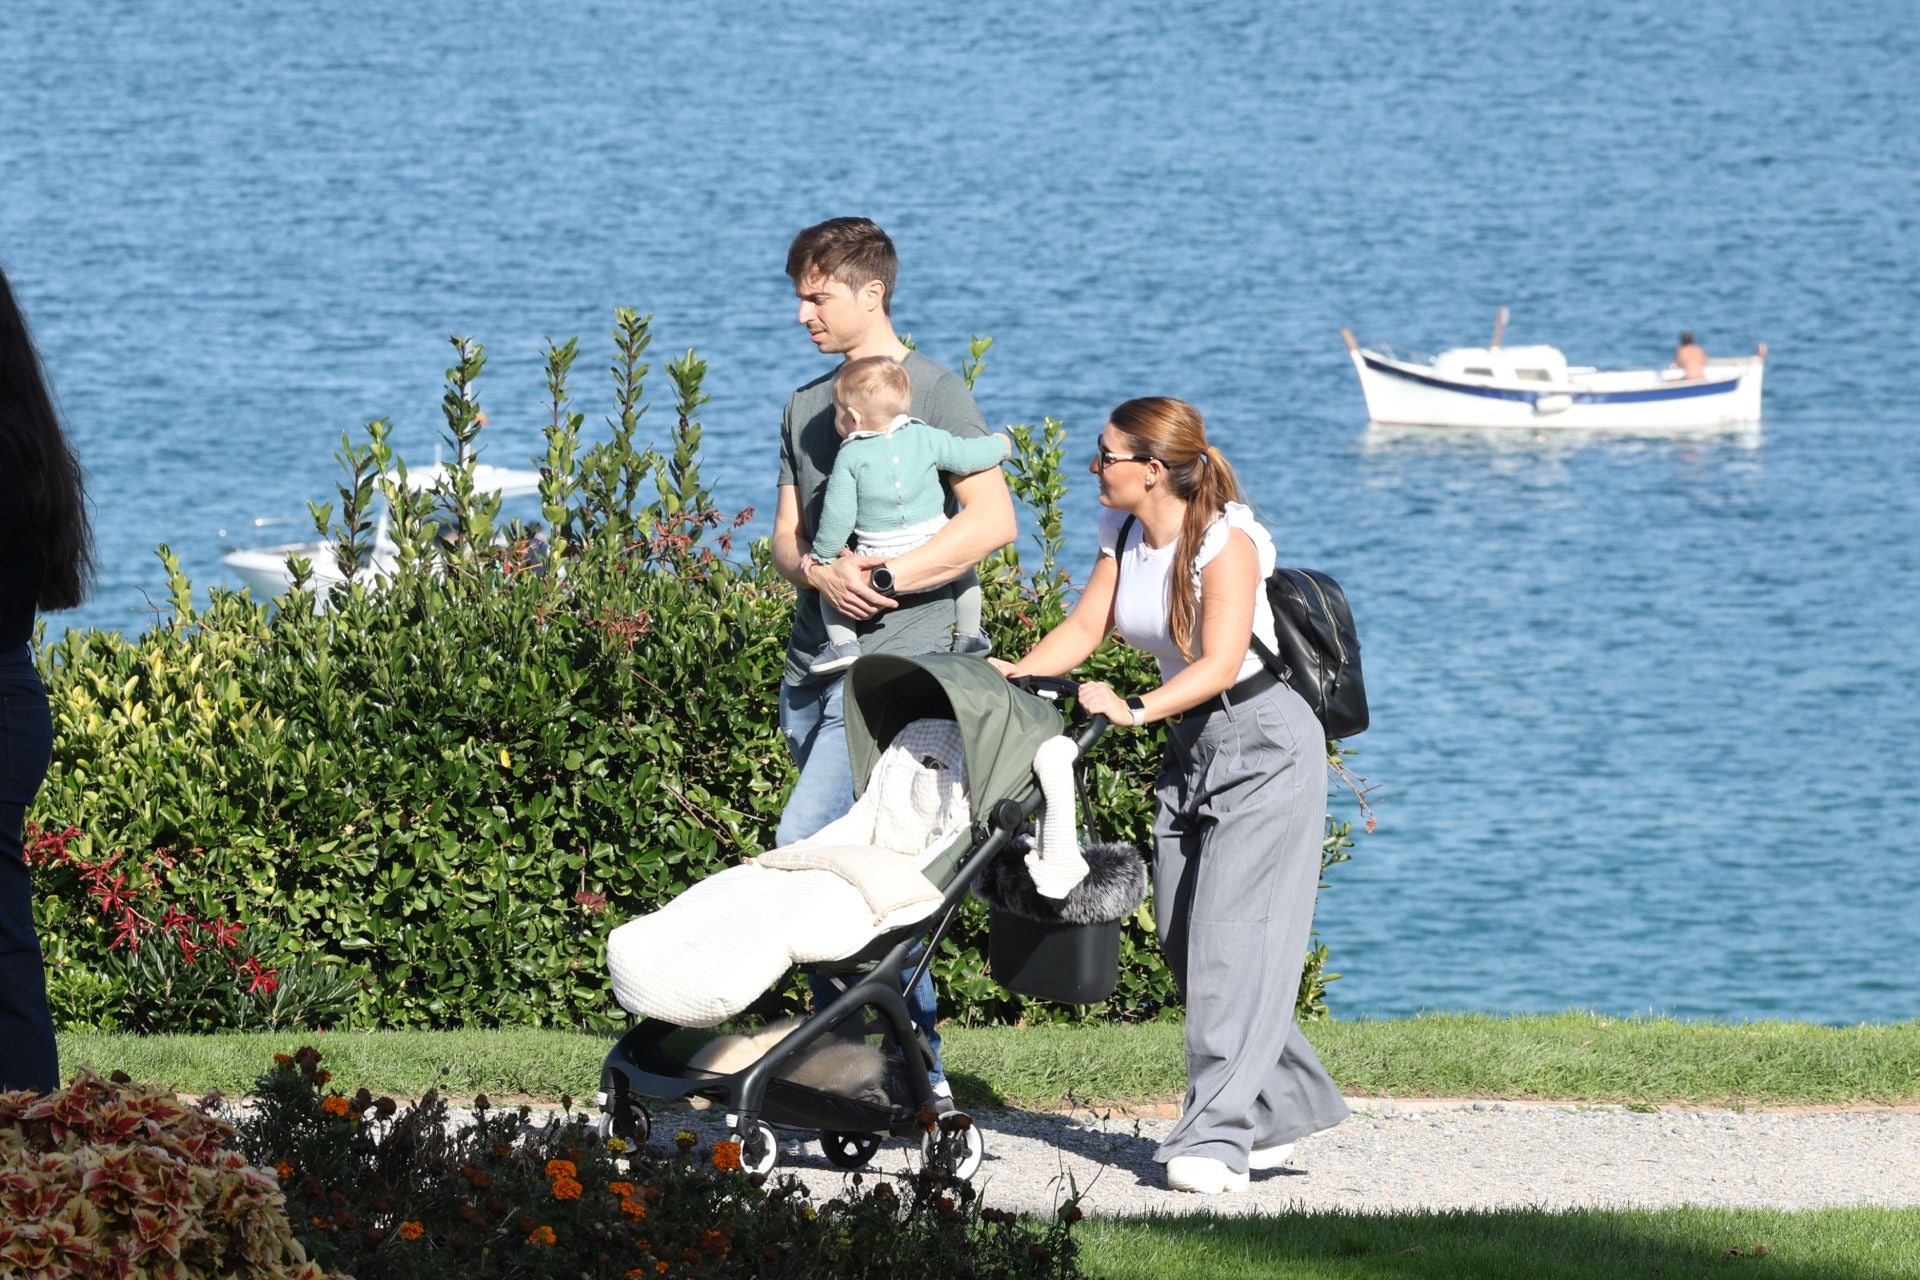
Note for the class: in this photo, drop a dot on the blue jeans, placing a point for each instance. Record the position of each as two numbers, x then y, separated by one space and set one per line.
813 722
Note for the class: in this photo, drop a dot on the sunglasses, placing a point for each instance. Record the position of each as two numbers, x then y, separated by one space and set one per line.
1102 459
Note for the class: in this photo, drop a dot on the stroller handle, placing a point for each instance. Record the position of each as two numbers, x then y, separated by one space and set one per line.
1054 688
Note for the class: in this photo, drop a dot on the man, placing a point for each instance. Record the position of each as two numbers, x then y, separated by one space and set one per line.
1691 357
843 272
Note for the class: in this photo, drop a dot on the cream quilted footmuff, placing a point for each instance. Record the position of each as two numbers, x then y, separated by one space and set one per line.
712 951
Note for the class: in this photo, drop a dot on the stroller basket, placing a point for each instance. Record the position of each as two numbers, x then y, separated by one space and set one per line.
1064 963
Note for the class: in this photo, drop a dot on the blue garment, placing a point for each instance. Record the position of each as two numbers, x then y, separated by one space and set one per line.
813 720
28 1058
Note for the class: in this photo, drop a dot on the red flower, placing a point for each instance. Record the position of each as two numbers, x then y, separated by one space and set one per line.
262 981
224 934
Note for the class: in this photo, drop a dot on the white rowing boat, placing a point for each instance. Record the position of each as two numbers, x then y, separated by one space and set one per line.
1535 388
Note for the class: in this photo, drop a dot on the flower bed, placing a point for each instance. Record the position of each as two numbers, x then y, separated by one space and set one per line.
109 1179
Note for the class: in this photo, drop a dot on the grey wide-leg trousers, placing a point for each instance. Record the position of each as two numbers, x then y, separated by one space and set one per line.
1242 813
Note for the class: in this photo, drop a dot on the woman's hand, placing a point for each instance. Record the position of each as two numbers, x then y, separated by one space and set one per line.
1099 699
1004 667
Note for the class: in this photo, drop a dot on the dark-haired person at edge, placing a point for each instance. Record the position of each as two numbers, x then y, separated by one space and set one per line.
1242 791
843 272
46 559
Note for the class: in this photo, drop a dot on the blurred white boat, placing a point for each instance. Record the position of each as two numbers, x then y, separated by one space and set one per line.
264 570
1535 388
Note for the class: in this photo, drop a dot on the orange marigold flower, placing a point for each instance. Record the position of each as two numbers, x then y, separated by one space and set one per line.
284 1169
566 1189
282 1059
543 1236
633 1209
335 1105
726 1156
660 1268
621 1190
476 1178
323 1076
411 1230
561 1169
637 1273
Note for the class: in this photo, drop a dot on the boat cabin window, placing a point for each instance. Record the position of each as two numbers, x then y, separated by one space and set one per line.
1532 375
1478 373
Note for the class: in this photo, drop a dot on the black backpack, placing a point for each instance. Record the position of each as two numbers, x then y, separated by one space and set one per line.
1319 652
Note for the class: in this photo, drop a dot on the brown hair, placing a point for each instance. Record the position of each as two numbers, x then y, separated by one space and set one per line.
1174 434
850 250
874 382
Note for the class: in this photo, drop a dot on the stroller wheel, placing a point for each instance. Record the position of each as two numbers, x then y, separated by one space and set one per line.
622 1117
849 1150
759 1149
955 1147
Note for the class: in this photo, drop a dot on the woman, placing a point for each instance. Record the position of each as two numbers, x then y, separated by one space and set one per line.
46 560
1241 794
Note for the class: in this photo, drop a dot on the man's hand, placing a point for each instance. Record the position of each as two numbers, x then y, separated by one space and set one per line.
844 583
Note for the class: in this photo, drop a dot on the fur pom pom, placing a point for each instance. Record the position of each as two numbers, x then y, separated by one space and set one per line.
1116 883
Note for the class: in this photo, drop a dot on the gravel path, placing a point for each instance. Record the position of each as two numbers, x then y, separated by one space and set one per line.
1461 1155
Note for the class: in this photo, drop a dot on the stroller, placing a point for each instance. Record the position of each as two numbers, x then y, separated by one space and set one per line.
1002 727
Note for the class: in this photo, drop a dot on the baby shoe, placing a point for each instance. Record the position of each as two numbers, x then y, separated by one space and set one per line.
836 657
1204 1175
974 644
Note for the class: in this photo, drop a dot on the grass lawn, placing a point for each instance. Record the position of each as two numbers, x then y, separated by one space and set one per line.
1572 1057
1825 1244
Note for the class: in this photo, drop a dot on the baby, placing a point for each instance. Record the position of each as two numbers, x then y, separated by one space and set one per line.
885 492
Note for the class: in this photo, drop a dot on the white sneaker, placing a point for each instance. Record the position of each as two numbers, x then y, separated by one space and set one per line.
1203 1175
1274 1157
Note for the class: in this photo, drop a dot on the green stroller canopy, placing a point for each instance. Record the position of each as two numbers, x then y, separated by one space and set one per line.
1001 726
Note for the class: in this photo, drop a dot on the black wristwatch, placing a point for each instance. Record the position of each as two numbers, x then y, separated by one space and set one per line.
880 578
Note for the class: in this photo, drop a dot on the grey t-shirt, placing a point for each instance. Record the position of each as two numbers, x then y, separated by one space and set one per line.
923 623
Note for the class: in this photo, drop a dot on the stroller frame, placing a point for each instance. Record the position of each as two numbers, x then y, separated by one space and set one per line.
640 1067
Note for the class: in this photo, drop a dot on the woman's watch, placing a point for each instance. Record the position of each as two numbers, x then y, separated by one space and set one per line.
881 579
1139 707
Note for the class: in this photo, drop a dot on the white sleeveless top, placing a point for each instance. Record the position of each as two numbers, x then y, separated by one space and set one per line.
1142 605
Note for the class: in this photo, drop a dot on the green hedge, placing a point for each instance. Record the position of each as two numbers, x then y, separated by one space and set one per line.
428 801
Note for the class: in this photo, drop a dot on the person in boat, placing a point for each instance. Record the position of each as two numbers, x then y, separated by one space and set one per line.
1691 357
843 272
46 562
1241 797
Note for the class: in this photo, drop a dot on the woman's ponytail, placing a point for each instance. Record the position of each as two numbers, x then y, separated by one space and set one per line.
1174 435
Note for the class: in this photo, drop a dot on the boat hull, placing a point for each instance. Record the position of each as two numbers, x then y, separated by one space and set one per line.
1399 393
